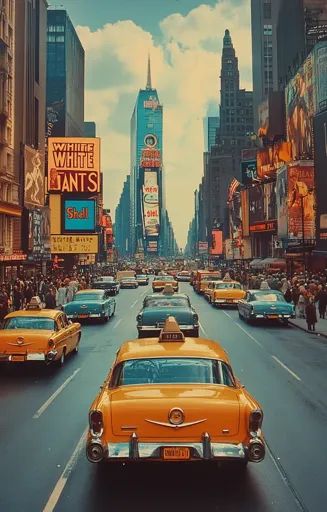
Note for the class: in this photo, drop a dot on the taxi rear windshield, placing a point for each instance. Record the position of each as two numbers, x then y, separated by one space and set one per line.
30 322
225 285
172 371
87 296
166 302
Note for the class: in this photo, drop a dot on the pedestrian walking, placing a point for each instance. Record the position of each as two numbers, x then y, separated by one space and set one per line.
61 296
50 299
4 305
301 305
322 302
311 315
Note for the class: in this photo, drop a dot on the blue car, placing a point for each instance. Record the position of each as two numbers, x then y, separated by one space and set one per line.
158 307
265 305
91 304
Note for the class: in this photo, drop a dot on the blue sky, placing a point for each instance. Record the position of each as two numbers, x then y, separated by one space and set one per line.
184 39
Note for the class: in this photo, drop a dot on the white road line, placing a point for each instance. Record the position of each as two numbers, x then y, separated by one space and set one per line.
227 314
203 329
249 335
54 395
133 303
60 485
116 324
286 368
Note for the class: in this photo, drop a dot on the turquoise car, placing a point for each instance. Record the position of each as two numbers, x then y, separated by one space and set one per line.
265 305
87 304
158 307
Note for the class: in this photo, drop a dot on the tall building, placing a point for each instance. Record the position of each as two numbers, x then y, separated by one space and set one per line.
65 77
90 129
264 18
122 221
147 197
211 125
29 155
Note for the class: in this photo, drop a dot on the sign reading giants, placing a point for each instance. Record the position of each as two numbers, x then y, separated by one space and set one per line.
74 165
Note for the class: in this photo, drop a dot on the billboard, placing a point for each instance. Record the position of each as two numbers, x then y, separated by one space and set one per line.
299 95
256 204
271 158
74 244
203 247
301 200
249 171
150 157
33 177
320 61
74 165
263 208
245 212
152 246
216 248
78 215
281 199
150 193
320 138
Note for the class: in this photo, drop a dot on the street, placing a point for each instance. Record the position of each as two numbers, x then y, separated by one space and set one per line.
45 413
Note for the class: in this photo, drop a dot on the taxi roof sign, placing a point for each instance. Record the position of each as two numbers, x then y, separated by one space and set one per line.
171 331
35 303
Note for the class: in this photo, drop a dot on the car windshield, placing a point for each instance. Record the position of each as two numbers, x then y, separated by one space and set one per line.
210 278
164 278
30 322
128 278
172 371
221 286
141 276
268 297
83 297
166 302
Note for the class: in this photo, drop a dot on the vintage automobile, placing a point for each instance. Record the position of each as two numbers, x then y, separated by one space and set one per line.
129 282
184 276
226 293
209 288
157 307
202 277
108 283
37 334
142 279
159 282
91 303
174 399
265 305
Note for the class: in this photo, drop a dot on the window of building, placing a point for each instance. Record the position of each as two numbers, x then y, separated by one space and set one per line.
267 30
267 10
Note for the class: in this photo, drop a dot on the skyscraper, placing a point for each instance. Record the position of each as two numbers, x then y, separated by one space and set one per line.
122 221
147 217
211 125
65 77
264 18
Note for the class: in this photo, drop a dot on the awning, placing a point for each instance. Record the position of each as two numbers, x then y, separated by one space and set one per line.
256 263
274 262
10 209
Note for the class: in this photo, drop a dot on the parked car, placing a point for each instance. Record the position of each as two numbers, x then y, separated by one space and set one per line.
128 282
142 279
108 283
37 334
173 398
157 307
91 304
265 305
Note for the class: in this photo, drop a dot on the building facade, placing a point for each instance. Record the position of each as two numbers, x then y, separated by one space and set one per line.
65 77
211 125
122 221
90 129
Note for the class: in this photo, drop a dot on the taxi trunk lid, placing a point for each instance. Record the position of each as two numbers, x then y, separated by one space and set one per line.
83 308
21 341
158 315
213 409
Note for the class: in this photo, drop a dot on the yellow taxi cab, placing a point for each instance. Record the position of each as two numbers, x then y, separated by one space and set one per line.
174 398
37 334
159 283
202 277
208 291
226 293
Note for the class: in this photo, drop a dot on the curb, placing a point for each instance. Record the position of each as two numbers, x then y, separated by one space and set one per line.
306 330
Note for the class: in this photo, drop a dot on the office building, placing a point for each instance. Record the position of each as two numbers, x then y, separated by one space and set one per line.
90 129
122 221
211 125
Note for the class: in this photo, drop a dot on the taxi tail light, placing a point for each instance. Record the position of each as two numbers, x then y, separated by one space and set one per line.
256 450
95 451
195 318
51 343
139 318
255 422
96 423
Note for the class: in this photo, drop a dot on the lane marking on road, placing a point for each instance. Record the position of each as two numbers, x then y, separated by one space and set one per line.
229 316
116 324
203 329
133 303
249 335
46 404
286 368
60 485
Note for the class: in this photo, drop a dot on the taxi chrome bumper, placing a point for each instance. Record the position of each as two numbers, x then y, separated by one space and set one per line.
134 450
158 328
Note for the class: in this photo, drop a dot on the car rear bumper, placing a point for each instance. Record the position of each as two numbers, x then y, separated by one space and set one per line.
271 316
226 302
156 329
85 316
204 450
14 358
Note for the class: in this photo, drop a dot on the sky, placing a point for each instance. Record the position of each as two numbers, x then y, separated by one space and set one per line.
184 40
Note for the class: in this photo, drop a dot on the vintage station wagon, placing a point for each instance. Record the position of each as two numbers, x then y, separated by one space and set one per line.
173 398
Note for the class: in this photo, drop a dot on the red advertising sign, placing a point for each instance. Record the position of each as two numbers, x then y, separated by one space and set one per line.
150 158
216 248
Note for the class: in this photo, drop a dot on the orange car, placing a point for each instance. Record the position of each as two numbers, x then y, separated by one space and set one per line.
174 399
226 293
202 277
159 283
37 334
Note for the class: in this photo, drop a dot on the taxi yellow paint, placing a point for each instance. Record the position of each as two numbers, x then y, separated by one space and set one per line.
50 344
226 293
203 277
158 284
175 420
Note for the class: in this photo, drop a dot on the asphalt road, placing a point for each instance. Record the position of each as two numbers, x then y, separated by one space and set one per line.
44 416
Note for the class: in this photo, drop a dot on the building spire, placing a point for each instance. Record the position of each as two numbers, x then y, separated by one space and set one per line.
227 40
148 83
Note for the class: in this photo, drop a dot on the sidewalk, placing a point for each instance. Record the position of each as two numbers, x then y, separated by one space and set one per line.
321 325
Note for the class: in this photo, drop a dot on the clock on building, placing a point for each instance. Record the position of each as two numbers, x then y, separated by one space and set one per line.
150 141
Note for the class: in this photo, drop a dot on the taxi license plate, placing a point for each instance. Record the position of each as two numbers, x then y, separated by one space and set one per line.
18 358
175 453
272 316
83 316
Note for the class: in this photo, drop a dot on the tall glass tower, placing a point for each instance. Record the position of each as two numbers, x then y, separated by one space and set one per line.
147 214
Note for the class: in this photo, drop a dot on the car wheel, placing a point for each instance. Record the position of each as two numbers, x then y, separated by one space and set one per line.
76 349
239 315
61 360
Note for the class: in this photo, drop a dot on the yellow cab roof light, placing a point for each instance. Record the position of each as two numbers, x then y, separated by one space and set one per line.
34 304
171 331
227 278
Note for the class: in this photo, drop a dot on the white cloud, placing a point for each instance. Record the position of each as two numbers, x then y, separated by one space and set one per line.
186 75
